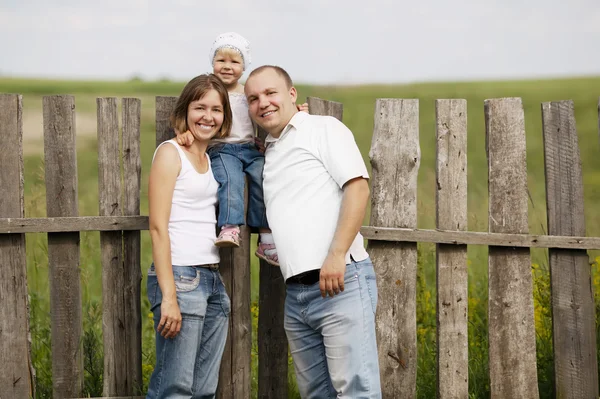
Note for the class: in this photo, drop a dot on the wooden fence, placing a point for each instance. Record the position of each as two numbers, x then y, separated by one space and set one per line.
393 237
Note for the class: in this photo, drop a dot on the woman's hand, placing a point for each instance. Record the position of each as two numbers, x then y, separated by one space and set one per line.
303 107
170 318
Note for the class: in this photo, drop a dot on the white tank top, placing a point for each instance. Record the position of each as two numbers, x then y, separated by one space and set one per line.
193 220
242 129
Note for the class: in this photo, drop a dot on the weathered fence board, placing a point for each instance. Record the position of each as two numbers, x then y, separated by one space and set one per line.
479 238
511 329
271 339
112 223
451 260
132 273
164 107
318 106
63 248
235 373
573 309
395 158
15 352
114 320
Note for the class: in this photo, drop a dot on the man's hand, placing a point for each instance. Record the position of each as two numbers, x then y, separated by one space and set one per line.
303 107
185 139
332 275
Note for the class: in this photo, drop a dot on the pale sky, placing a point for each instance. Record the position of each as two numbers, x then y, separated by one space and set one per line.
317 41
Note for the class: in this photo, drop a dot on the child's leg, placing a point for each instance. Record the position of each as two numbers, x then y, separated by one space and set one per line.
257 215
228 171
254 163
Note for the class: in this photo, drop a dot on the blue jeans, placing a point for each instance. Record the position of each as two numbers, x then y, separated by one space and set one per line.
229 164
187 366
332 340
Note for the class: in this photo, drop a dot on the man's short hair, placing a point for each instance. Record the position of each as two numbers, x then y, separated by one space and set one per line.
279 70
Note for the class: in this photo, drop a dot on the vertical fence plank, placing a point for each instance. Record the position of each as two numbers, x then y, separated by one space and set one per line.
113 284
15 352
395 158
132 173
235 373
164 107
63 248
573 309
451 265
271 338
511 329
318 106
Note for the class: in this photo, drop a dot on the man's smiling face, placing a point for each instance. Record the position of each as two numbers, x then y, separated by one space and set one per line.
271 102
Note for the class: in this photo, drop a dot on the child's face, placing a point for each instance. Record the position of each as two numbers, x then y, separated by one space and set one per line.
228 65
205 116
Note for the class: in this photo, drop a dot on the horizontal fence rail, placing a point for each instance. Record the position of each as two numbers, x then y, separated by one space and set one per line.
438 236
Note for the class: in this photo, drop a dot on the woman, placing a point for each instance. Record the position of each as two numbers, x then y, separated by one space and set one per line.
185 289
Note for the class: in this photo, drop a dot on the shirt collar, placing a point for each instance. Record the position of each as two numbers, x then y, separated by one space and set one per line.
295 122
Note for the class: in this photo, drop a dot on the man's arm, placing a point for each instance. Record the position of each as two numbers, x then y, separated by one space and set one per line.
354 204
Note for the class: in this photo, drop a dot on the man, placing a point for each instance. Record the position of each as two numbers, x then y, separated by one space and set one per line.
316 193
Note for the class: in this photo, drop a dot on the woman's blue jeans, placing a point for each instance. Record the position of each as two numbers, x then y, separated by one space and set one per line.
187 366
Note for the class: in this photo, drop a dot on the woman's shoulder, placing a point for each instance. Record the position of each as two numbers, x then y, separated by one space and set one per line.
167 152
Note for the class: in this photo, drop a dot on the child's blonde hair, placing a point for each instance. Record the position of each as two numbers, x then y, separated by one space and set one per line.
228 51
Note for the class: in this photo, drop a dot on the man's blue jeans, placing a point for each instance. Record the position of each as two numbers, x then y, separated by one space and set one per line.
332 340
229 164
187 366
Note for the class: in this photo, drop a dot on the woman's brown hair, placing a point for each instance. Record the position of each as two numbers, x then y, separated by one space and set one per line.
195 90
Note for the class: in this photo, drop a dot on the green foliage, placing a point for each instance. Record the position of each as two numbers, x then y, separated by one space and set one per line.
359 104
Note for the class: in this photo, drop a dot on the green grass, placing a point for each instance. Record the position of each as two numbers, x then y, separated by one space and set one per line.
359 104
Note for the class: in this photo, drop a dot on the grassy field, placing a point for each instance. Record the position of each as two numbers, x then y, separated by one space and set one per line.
359 102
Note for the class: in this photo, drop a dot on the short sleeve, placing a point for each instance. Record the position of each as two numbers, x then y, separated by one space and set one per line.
339 153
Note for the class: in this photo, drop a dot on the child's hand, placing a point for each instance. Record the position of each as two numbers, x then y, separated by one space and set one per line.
303 107
260 144
185 139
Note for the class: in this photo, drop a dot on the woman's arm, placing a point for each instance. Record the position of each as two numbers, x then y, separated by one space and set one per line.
163 175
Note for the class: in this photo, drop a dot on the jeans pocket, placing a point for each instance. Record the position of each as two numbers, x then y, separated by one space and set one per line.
186 279
372 289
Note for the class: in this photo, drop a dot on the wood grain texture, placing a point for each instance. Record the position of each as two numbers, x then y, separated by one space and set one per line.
451 260
318 106
164 108
132 272
511 329
235 373
573 309
16 379
116 380
63 248
478 238
395 158
112 223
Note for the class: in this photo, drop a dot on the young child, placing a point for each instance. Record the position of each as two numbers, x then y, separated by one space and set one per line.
237 155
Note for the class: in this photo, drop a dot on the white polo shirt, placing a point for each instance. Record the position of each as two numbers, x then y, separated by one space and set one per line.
305 169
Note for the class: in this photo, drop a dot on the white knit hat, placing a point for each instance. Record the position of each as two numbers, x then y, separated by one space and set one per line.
234 41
